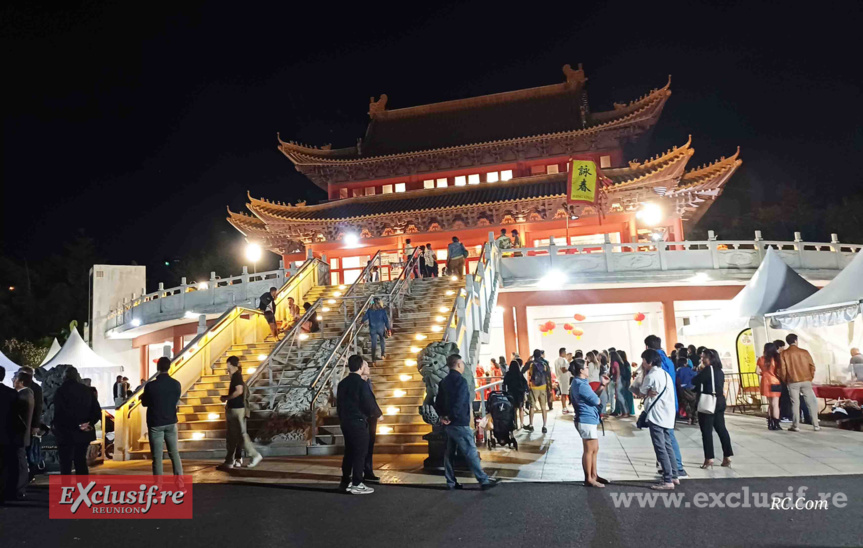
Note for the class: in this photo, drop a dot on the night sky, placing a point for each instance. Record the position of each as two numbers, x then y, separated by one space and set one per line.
139 123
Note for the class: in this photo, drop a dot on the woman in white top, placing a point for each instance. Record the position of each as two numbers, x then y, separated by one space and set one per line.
592 366
658 389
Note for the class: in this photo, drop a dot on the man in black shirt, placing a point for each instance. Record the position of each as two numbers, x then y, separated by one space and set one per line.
161 397
36 423
355 405
267 305
235 417
119 391
369 469
76 412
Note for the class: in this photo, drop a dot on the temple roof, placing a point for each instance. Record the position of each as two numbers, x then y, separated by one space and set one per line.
668 166
558 110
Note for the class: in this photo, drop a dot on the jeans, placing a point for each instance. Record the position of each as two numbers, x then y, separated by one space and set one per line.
377 334
603 401
620 404
74 452
676 449
661 438
794 391
356 433
612 393
238 438
461 438
159 437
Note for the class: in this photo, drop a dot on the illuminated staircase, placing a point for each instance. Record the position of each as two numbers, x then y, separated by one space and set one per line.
397 384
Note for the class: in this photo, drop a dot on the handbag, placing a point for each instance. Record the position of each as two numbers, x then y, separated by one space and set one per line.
707 402
642 418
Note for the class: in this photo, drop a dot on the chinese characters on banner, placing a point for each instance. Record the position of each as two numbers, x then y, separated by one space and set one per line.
582 182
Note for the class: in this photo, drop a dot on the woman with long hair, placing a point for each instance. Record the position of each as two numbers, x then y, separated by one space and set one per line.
771 388
604 371
515 385
628 403
711 381
616 366
585 400
516 243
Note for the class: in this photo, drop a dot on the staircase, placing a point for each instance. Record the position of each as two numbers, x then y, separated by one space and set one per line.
397 384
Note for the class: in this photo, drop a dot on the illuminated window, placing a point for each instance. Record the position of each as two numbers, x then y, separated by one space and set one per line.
428 183
358 192
370 191
334 264
536 170
552 169
440 254
492 177
604 161
400 187
506 175
461 180
334 278
441 183
473 179
387 189
343 193
351 262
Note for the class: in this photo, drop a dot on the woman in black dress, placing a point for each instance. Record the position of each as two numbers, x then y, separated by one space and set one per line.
515 386
711 380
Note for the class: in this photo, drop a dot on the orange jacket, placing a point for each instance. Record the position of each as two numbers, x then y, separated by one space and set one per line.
797 365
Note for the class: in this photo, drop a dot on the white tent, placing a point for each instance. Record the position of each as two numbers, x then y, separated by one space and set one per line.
837 303
774 286
10 367
55 347
90 365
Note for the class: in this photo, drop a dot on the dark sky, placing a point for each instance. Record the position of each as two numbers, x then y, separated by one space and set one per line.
139 122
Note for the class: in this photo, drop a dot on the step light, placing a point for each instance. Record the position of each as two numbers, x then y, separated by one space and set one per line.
410 363
450 293
331 301
385 430
250 370
343 287
197 435
392 410
212 417
437 328
325 309
304 336
415 349
337 294
405 377
399 393
421 337
262 357
320 317
443 310
453 278
439 319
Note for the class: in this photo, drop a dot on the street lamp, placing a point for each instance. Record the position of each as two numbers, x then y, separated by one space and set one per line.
253 253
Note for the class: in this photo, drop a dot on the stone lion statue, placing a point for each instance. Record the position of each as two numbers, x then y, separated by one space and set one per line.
431 363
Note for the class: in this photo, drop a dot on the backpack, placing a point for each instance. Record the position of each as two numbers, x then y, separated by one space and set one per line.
539 373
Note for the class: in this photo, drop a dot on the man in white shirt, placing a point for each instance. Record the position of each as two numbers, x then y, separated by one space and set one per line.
658 388
564 378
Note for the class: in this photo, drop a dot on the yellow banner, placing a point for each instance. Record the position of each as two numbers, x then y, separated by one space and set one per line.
582 181
746 360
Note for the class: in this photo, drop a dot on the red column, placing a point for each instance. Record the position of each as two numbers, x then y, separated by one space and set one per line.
145 373
521 331
669 323
178 344
509 333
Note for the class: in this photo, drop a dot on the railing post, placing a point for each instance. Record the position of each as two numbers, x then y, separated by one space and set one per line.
245 278
161 297
183 288
662 249
837 249
798 244
711 245
212 287
606 248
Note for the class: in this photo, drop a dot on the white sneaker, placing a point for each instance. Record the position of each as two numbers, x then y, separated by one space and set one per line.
360 489
238 463
256 460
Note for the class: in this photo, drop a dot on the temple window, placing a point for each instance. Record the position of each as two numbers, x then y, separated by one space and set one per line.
461 180
604 162
553 168
428 183
492 177
358 192
343 193
537 170
370 191
442 183
473 179
400 187
387 189
506 175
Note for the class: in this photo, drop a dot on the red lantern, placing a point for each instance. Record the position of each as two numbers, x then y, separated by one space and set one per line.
580 317
568 328
550 325
578 333
639 317
543 329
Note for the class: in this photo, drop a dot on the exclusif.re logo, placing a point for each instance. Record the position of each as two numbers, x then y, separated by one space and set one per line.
120 497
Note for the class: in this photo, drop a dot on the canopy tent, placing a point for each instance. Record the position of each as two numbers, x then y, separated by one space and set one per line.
55 347
836 303
774 286
102 373
10 367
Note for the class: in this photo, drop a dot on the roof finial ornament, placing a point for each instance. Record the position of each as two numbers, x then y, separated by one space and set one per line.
574 76
377 107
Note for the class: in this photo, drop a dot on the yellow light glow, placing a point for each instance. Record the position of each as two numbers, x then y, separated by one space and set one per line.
320 317
213 416
325 309
262 357
399 393
443 309
331 301
337 294
405 377
415 349
384 430
203 285
304 336
450 293
343 287
437 328
410 363
197 435
453 278
439 319
250 370
421 337
392 410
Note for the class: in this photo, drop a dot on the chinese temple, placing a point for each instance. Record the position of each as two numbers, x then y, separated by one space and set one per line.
470 166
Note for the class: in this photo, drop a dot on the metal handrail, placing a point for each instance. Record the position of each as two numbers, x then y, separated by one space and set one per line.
365 273
480 389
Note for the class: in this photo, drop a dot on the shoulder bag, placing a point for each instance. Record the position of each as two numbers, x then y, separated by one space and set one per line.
707 402
642 418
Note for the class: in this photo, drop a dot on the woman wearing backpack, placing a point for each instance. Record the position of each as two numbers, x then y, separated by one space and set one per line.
586 403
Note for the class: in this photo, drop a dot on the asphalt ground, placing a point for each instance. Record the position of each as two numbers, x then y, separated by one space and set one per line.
514 514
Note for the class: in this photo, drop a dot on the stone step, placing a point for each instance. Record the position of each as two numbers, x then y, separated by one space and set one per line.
403 402
204 408
417 427
207 444
381 440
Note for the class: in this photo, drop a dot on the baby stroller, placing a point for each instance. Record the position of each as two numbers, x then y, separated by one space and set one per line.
502 411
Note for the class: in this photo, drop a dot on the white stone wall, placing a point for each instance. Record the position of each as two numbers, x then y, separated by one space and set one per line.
109 288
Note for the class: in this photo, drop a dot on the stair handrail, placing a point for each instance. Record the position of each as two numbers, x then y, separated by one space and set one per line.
363 277
402 285
291 339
